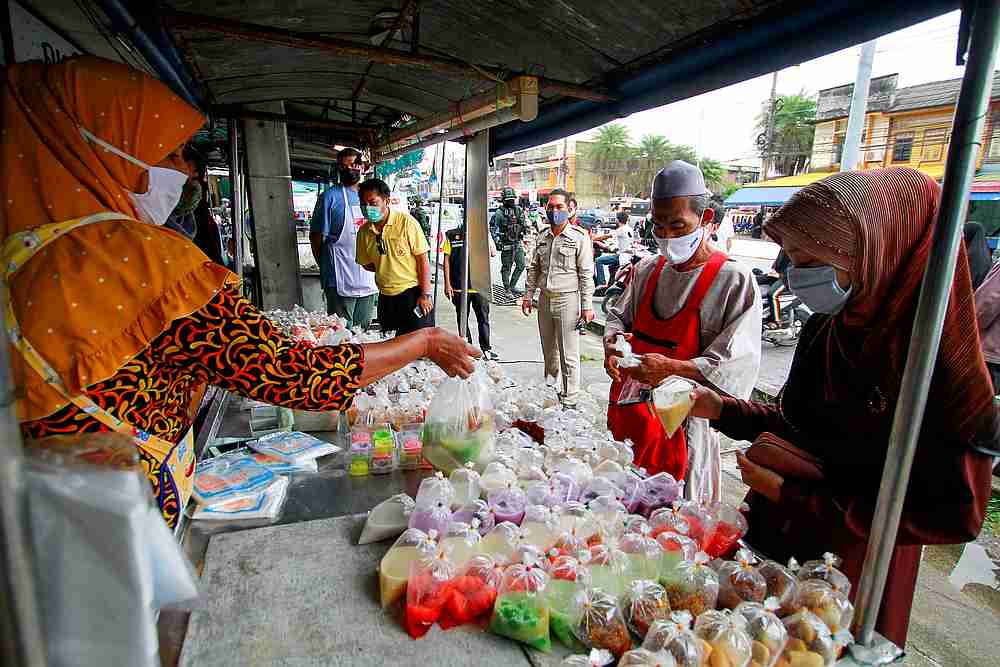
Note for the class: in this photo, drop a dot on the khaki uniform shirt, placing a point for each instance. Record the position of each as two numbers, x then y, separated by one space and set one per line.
563 263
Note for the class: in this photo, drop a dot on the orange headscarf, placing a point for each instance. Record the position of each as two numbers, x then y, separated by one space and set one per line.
92 299
877 225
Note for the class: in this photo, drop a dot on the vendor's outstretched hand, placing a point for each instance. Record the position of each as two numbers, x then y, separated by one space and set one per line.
450 352
707 403
653 369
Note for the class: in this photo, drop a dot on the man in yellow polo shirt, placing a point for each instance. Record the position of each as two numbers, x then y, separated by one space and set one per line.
392 245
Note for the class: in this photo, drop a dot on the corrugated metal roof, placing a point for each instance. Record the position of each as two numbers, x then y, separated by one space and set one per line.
835 103
934 94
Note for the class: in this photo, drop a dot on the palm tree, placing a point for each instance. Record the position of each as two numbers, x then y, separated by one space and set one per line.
611 149
713 170
794 126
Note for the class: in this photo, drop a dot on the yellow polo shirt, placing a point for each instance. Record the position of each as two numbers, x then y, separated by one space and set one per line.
394 252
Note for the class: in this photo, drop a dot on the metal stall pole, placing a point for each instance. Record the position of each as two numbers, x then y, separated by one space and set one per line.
437 236
236 183
966 135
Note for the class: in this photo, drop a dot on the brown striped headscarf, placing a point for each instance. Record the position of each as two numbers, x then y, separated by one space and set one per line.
877 225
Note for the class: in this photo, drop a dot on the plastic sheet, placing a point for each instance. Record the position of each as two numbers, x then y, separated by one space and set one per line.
76 513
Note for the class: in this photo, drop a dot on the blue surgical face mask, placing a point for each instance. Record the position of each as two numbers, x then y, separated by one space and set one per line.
557 218
818 288
373 213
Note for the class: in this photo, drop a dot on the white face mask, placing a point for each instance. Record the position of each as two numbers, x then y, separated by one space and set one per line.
165 185
681 249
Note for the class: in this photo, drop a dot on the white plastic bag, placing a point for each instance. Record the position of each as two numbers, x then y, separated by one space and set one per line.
266 504
459 426
387 519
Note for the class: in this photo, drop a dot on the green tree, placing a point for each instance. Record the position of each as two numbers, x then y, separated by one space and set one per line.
653 153
713 171
794 126
610 153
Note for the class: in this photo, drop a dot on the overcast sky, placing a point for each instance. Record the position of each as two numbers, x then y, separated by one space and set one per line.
721 123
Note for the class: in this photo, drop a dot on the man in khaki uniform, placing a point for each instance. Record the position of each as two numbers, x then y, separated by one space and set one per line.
562 267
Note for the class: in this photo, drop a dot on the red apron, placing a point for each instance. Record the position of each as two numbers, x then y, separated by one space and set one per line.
678 337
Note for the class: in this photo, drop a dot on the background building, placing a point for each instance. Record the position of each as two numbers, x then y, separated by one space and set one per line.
535 172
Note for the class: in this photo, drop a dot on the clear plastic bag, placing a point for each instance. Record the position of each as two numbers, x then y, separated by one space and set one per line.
436 517
479 512
503 540
660 490
596 658
464 541
459 425
521 612
676 549
508 503
223 479
567 578
473 592
782 585
609 513
640 657
826 570
387 519
265 504
293 446
644 553
828 604
601 624
810 643
596 487
730 527
726 633
675 636
739 581
695 587
394 568
434 489
540 526
610 568
672 402
644 603
496 476
427 591
767 633
685 518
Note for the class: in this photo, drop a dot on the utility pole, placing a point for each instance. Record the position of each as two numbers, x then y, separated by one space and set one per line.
769 140
859 105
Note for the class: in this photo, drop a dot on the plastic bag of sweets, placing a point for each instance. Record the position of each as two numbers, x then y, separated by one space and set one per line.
739 581
826 570
434 489
394 568
640 657
810 643
676 549
644 603
660 490
644 553
730 526
436 516
465 482
463 540
521 612
508 503
782 585
609 568
695 588
767 633
427 591
502 542
684 517
609 513
675 636
567 578
495 477
726 633
540 526
459 425
478 510
473 592
601 623
598 486
828 604
596 658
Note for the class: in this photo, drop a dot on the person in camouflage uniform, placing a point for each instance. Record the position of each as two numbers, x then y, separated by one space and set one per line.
509 228
420 216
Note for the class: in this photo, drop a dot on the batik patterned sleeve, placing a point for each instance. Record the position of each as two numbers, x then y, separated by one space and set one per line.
231 344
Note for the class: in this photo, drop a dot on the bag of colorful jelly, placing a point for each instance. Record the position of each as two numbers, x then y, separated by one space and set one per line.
601 623
473 592
521 611
465 482
730 526
675 636
508 503
676 549
726 633
644 603
685 518
739 581
427 591
567 578
610 568
695 588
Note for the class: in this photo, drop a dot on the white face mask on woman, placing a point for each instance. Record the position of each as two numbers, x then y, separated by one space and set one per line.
165 185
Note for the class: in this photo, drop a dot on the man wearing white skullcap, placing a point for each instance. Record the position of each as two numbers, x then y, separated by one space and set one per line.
691 312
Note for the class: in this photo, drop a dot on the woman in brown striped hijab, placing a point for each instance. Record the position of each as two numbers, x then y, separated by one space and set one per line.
859 243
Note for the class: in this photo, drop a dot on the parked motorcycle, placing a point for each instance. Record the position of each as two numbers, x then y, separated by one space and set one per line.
782 313
621 280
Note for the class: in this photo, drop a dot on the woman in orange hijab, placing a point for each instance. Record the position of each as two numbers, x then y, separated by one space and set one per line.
859 243
115 321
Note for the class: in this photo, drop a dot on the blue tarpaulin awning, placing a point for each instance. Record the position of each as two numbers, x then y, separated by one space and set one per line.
758 196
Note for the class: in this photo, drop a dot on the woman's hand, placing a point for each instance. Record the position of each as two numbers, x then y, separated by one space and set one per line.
450 352
707 403
764 481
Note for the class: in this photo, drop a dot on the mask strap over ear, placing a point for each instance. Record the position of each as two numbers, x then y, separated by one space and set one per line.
90 136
